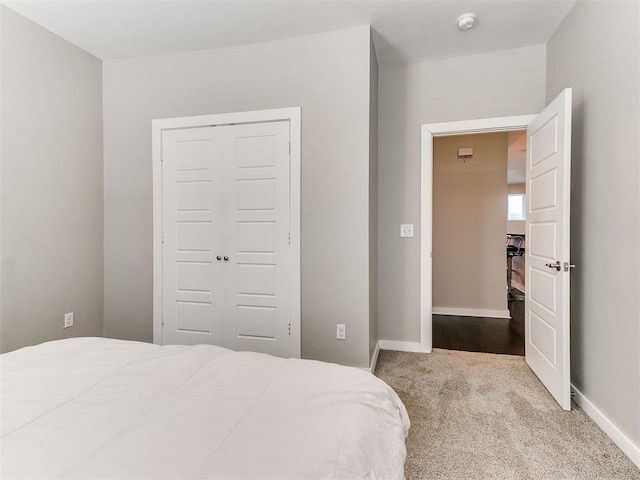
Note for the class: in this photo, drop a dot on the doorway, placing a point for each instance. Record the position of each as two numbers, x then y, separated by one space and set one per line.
548 178
501 124
478 180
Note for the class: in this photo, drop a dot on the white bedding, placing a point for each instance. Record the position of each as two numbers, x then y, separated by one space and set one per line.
101 408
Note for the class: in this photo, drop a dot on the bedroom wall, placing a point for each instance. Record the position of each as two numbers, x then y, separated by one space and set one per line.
469 224
490 85
595 50
373 201
328 76
51 186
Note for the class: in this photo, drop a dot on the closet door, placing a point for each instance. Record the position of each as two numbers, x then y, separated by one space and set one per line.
192 280
226 220
256 237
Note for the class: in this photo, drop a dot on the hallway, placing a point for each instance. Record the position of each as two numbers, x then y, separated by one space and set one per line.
478 334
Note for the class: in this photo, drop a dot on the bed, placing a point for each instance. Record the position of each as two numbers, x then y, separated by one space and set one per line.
103 408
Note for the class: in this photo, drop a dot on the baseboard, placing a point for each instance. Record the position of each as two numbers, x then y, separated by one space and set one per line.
620 439
415 347
374 360
471 312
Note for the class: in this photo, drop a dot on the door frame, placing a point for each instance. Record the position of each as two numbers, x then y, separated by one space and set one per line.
292 115
429 131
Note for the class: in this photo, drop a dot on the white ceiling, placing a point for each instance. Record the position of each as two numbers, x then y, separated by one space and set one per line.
404 31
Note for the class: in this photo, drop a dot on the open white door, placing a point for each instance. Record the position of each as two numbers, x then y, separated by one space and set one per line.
548 260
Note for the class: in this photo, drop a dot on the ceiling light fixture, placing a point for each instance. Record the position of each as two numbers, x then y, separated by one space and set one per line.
466 21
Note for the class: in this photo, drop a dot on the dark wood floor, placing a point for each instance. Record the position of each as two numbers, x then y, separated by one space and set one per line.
476 334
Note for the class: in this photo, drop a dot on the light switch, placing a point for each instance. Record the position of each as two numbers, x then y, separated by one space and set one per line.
406 230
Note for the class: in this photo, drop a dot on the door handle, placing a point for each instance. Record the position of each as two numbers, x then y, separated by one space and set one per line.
568 266
554 265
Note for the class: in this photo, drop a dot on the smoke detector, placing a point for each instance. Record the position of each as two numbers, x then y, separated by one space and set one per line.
466 21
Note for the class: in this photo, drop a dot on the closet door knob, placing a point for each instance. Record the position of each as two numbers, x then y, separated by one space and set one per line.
218 258
226 259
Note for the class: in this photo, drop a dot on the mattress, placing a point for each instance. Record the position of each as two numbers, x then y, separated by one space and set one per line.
102 408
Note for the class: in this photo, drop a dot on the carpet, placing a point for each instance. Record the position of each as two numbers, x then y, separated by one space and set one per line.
486 416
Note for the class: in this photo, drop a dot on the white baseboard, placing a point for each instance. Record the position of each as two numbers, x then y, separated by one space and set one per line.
471 312
415 347
620 439
374 360
519 286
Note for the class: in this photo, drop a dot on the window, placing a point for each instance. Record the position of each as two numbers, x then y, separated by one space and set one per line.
516 206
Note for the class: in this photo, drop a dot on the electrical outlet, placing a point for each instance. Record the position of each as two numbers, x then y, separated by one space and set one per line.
341 331
68 320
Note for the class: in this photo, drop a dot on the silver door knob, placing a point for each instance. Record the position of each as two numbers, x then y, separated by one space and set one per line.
226 259
556 265
568 266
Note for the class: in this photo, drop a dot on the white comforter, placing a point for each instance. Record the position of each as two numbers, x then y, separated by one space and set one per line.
100 408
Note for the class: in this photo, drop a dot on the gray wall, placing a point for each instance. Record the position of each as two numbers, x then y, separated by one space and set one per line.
596 52
373 202
328 76
470 223
491 85
51 190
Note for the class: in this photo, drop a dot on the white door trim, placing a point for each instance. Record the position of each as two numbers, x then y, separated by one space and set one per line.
428 132
259 116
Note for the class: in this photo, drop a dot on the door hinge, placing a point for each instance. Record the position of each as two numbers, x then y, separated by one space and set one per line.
162 238
289 239
289 329
162 320
161 155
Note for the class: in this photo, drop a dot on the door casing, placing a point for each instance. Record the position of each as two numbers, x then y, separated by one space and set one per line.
428 133
292 115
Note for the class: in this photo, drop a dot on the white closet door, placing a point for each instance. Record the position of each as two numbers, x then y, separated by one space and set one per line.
192 223
226 219
256 237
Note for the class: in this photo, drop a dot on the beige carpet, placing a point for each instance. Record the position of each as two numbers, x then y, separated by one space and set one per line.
485 416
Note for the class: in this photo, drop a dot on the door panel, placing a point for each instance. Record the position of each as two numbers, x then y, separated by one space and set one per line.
543 336
547 226
543 191
543 290
542 243
192 220
544 142
257 238
192 317
255 194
